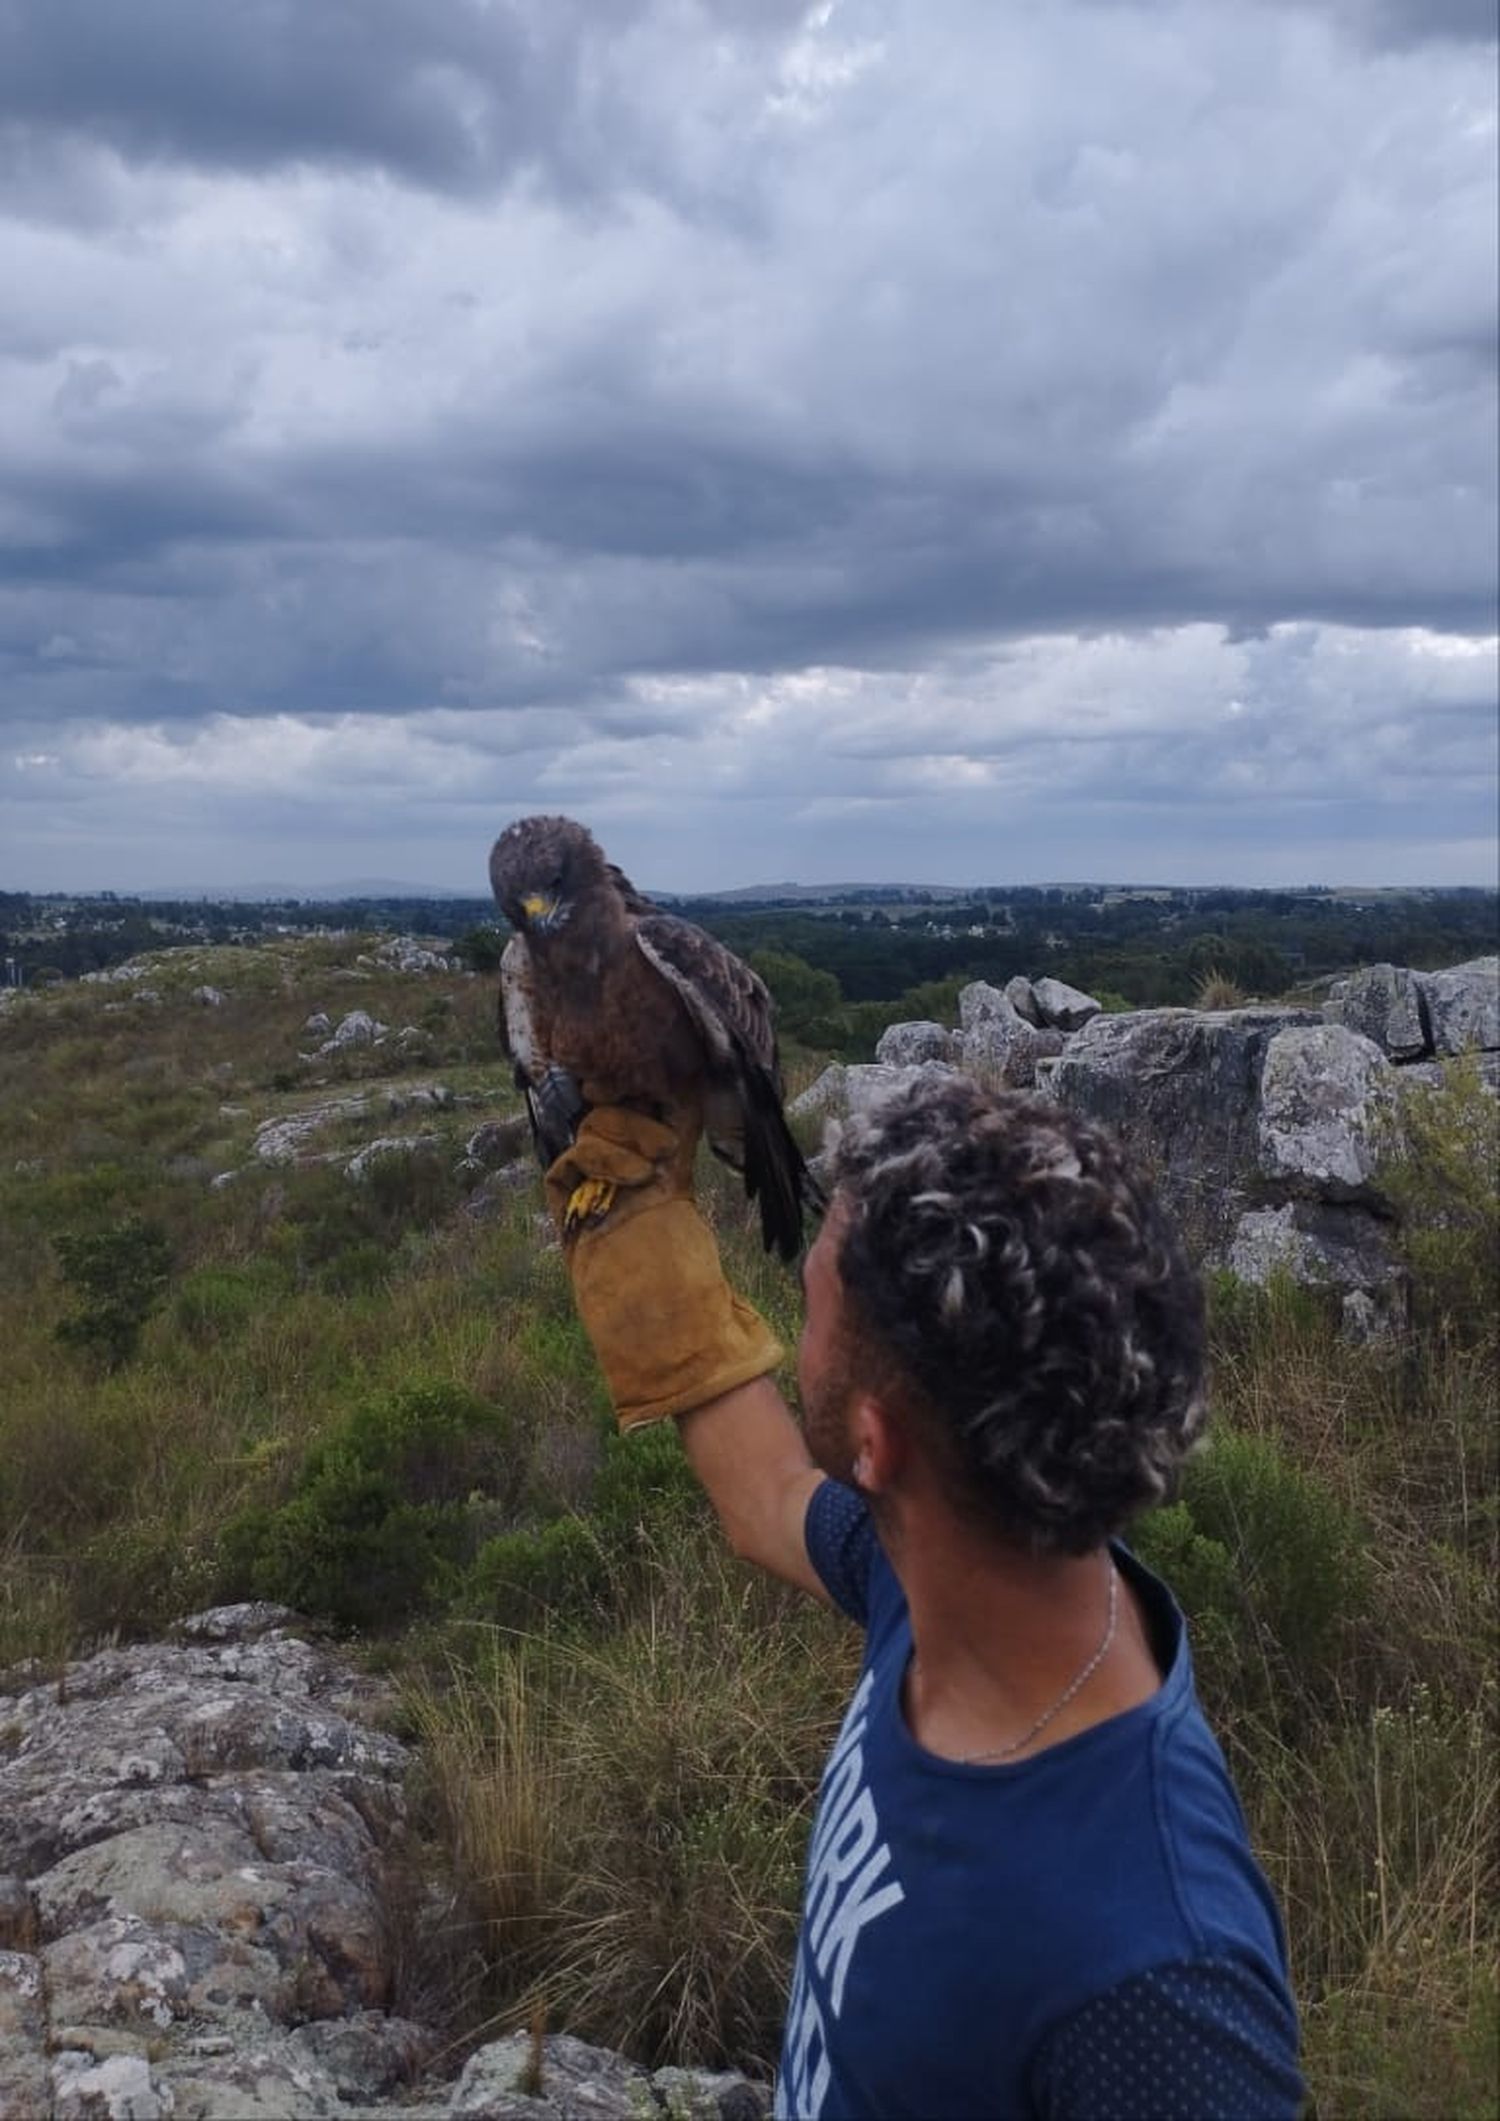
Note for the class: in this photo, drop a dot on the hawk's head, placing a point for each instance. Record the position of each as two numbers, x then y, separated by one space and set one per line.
540 868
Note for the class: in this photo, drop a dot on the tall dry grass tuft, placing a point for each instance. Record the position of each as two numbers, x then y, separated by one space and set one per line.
1216 990
629 1807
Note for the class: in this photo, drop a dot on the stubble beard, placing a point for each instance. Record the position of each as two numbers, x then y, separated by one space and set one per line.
825 1423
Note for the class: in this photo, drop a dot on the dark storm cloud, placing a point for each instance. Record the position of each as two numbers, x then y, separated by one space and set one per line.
460 95
1407 22
256 82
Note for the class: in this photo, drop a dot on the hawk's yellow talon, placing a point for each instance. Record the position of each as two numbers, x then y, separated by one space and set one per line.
590 1199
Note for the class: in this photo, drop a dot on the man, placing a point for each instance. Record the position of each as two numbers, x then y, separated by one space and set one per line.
1029 1889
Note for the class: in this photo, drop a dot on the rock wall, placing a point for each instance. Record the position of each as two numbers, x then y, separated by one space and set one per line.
1263 1127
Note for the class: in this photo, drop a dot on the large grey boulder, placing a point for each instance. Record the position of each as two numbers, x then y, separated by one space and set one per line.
1325 1093
358 1028
980 1000
497 1142
822 1097
1313 1241
1065 1008
1001 1048
1385 1003
1181 1088
1463 1005
905 1045
192 1918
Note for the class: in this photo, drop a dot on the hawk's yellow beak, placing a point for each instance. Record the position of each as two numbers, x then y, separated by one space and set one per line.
537 908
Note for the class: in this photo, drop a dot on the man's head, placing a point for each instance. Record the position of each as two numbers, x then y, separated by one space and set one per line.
1009 1293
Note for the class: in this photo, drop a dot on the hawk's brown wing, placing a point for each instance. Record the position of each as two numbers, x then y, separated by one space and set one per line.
743 1117
554 1105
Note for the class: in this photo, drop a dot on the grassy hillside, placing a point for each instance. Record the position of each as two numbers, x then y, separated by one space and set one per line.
371 1398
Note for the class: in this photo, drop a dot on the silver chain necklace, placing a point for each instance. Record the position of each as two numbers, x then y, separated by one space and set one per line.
1005 1752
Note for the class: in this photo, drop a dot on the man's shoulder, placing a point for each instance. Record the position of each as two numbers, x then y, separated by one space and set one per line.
839 1534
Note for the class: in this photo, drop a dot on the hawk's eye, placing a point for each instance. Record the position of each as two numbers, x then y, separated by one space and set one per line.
557 882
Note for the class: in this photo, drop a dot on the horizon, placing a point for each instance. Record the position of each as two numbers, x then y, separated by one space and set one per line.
353 890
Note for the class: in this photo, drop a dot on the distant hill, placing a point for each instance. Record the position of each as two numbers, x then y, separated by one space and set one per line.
261 894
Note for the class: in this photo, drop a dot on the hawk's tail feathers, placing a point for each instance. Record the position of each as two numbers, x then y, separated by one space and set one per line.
776 1173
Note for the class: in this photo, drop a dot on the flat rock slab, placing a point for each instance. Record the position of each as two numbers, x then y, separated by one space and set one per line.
191 1893
190 1838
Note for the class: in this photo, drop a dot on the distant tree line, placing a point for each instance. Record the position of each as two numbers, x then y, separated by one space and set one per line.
843 970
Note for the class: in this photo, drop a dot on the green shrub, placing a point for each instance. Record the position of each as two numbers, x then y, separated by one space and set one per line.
1441 1170
518 1579
644 1484
643 1490
214 1302
1295 1548
120 1275
1201 1574
138 1574
387 1512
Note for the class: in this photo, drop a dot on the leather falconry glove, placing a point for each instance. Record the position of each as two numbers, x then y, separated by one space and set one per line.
669 1332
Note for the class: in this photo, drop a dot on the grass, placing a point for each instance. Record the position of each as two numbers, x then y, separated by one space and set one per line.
627 1802
620 1728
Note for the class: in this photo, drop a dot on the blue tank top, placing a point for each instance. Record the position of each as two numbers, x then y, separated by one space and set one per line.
1084 1932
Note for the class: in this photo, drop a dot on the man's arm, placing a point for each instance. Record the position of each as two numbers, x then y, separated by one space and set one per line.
749 1453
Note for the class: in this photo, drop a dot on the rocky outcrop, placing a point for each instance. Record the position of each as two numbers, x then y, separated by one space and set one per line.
195 1829
407 953
1340 1248
387 1148
1264 1127
287 1139
1418 1016
1018 992
194 1911
1001 1048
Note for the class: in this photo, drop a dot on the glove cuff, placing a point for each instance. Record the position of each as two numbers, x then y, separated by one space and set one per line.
669 1332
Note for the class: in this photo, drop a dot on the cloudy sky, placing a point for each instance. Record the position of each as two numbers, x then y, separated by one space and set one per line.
951 440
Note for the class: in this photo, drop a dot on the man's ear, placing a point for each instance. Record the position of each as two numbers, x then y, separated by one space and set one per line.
879 1445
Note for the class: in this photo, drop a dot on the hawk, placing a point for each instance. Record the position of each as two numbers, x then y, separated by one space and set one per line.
607 999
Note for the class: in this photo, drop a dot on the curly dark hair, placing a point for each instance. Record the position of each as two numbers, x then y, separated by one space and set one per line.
1027 1305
